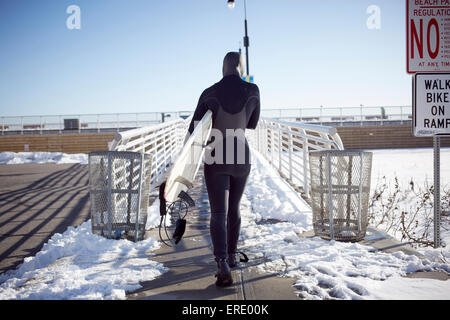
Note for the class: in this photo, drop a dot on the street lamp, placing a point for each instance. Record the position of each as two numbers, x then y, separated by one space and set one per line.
246 38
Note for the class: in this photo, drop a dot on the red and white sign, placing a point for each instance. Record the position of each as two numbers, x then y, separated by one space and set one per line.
427 36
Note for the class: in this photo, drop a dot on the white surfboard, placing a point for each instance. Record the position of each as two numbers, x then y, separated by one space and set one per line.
184 170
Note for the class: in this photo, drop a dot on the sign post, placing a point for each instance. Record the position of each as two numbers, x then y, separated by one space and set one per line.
437 191
431 117
428 57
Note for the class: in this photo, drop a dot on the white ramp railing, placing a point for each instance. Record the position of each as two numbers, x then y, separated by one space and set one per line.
163 141
286 145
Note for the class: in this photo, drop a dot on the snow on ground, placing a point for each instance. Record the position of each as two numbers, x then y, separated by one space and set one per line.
42 157
80 265
326 269
407 164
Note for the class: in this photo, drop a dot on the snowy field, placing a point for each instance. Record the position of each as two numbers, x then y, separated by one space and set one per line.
80 265
407 164
42 157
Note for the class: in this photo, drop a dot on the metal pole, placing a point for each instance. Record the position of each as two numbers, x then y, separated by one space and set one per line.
330 197
401 115
272 143
290 155
361 114
437 196
109 198
246 39
137 236
305 163
361 154
280 147
349 192
321 115
130 187
258 138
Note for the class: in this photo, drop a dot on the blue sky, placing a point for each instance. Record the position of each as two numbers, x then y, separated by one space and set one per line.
147 55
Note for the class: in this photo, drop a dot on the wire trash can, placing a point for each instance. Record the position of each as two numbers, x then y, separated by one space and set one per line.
340 187
119 187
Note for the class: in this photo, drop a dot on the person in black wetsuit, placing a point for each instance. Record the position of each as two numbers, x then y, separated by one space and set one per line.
235 105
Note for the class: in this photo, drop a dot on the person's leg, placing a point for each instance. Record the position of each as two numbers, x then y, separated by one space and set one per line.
218 186
237 186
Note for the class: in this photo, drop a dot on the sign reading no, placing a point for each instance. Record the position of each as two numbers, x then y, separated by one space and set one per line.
427 36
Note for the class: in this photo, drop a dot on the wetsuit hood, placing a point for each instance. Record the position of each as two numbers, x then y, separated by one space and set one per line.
233 64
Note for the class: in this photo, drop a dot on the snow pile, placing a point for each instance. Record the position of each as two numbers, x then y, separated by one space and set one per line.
324 269
42 157
153 217
273 198
80 265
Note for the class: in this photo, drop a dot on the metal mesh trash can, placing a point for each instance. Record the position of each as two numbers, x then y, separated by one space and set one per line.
119 187
340 186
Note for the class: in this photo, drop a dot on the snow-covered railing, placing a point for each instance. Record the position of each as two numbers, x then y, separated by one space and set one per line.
163 141
286 145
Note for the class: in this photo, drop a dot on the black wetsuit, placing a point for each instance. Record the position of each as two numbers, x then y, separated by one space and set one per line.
235 104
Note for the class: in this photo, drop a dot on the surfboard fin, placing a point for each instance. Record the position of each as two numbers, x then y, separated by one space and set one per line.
187 198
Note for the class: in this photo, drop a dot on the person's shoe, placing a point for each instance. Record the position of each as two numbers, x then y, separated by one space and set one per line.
232 260
223 274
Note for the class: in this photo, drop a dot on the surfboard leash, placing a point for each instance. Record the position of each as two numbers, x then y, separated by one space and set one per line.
184 202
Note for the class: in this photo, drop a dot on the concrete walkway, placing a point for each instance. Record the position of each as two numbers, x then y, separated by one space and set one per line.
37 201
